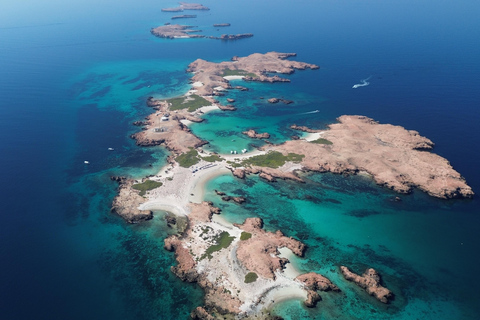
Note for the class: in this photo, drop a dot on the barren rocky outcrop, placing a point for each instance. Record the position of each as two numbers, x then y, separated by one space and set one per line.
127 201
184 16
396 158
211 74
260 253
186 6
171 133
172 31
315 282
221 274
303 128
370 281
255 135
277 100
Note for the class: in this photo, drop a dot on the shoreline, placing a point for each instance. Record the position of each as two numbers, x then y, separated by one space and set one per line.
255 255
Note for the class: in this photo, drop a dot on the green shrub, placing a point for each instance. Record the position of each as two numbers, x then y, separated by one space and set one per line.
188 159
146 185
273 159
245 236
222 241
192 103
251 277
213 158
322 141
228 72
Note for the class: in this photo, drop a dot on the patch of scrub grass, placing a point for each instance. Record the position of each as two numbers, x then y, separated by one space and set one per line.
251 277
228 72
222 241
146 185
234 164
192 103
213 158
273 159
322 141
188 159
245 236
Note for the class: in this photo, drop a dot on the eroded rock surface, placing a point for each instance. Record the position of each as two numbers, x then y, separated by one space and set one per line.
127 201
396 158
260 253
255 135
171 133
211 74
173 31
370 281
186 6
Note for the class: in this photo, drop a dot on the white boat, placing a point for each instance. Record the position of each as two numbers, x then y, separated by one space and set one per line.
110 149
86 162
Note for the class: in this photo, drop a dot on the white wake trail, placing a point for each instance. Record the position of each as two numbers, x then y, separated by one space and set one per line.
364 83
315 111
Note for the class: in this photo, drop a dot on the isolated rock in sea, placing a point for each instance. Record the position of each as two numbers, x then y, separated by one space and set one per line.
127 201
371 282
396 158
253 134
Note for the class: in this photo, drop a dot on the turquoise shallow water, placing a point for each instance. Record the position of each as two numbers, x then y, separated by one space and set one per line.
350 221
75 75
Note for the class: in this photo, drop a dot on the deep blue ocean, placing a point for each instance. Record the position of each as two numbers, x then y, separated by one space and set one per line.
74 76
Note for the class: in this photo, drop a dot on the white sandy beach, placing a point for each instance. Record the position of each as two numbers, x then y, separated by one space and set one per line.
233 77
312 136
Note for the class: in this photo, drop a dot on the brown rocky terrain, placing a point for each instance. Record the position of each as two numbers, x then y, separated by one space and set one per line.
184 16
315 282
127 200
222 273
172 133
211 74
396 158
371 282
255 135
186 6
260 253
277 100
303 128
172 31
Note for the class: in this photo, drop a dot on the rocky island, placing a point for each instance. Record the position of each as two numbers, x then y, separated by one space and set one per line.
186 6
184 16
242 267
174 31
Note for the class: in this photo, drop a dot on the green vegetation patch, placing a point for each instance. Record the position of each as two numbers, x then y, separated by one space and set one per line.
213 158
251 277
188 159
322 141
222 241
228 72
191 103
146 185
245 235
273 159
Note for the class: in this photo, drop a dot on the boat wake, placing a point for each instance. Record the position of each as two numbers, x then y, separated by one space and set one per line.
363 83
315 111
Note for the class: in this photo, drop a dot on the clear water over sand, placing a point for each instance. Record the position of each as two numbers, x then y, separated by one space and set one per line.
71 84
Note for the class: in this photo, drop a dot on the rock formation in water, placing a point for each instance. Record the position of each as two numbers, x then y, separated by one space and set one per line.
127 201
260 65
370 281
315 282
396 158
255 135
186 6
